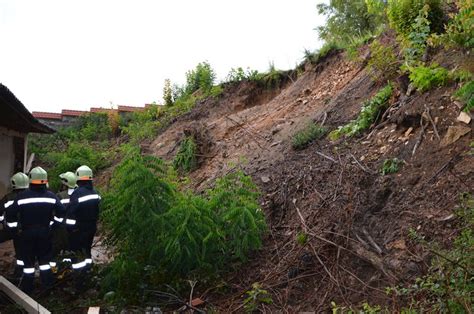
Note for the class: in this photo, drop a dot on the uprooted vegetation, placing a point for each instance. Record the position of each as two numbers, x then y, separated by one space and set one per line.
373 207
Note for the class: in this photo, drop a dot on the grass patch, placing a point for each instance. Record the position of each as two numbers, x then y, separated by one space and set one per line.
466 94
310 133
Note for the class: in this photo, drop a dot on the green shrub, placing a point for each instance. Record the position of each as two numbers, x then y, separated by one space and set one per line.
402 15
186 159
239 74
202 78
391 166
76 155
369 112
383 62
164 236
425 78
328 47
460 29
305 136
466 94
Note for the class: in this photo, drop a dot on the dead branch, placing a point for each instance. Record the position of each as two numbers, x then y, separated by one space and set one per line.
365 169
427 110
420 137
327 157
371 241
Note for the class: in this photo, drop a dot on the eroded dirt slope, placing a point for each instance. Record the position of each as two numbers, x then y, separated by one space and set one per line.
357 220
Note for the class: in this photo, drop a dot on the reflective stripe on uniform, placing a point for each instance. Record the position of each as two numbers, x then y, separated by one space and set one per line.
58 219
29 270
37 200
70 221
52 264
8 204
19 262
12 224
51 223
45 267
67 260
2 217
88 260
65 201
88 198
79 265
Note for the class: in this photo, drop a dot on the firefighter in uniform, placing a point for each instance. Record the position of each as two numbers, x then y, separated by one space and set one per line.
19 182
31 215
81 219
60 235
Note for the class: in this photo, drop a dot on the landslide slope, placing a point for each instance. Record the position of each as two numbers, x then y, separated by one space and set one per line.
356 221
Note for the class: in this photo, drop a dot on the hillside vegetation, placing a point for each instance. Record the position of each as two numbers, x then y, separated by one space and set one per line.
345 184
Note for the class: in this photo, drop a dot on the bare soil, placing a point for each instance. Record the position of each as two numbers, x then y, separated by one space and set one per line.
357 221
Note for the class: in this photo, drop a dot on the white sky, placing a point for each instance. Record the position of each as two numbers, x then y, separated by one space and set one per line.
64 54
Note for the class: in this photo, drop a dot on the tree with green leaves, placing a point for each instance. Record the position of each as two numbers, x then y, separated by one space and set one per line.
350 18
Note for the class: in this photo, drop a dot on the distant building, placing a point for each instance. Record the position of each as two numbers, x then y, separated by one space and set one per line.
15 124
68 117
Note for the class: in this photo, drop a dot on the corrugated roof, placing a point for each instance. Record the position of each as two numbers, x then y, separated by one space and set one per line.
47 115
73 113
15 116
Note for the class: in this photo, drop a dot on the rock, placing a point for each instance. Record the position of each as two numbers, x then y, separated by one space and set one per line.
305 101
454 133
265 179
464 117
459 104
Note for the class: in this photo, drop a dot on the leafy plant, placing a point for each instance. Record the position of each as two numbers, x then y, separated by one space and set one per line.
202 78
391 166
460 29
308 134
425 78
239 74
162 235
466 94
255 297
403 14
349 18
383 62
185 159
301 238
368 114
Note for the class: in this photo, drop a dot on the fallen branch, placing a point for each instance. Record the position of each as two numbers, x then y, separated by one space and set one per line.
327 157
365 169
420 137
432 122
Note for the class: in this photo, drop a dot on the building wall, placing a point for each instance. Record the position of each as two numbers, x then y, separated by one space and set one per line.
7 162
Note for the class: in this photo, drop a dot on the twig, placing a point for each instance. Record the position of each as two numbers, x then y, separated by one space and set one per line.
192 283
432 122
361 166
324 266
420 137
327 157
305 227
371 240
360 280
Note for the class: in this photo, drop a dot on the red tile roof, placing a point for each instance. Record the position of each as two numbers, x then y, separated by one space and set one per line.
47 115
95 109
72 113
129 108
